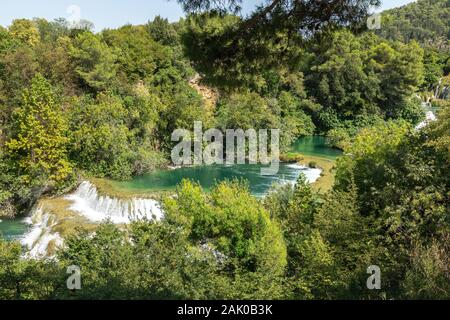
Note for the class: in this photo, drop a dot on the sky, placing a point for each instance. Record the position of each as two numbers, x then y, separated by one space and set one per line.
112 13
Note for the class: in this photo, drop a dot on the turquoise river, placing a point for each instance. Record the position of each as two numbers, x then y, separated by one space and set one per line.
207 176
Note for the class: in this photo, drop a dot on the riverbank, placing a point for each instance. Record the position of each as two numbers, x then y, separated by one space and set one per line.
107 187
327 177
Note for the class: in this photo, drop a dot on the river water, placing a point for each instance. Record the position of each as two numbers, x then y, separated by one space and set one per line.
13 229
315 146
207 176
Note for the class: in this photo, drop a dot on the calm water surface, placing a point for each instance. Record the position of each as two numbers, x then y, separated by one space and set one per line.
207 176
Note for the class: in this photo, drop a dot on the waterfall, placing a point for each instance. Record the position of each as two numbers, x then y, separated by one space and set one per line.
436 91
41 234
311 174
428 118
440 91
445 93
96 208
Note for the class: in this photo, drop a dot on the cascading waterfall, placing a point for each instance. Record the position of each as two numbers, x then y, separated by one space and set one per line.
441 91
41 234
429 116
96 208
311 174
444 93
437 90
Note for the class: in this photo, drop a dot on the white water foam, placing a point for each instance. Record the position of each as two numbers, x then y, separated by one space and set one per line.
429 117
40 234
311 174
96 208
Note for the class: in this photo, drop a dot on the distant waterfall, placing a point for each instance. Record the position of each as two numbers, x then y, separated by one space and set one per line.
311 174
429 116
96 208
441 91
41 234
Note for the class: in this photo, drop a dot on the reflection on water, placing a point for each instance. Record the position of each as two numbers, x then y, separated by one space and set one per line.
315 146
207 176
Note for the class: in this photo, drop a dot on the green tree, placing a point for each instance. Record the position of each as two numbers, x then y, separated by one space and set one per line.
100 137
364 75
439 131
24 279
138 55
95 61
433 69
39 142
294 209
163 32
425 21
25 30
246 110
234 48
232 223
428 276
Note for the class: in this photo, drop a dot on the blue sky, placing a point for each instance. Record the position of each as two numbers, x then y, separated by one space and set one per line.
112 13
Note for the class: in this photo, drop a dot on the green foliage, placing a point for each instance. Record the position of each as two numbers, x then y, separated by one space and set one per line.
402 185
249 110
38 145
343 133
363 161
410 110
25 31
24 279
51 31
293 209
295 122
19 66
433 69
338 138
246 111
113 137
363 76
184 106
56 64
163 32
230 221
95 61
426 21
350 238
138 55
428 277
390 202
439 131
7 41
195 253
145 80
237 51
105 104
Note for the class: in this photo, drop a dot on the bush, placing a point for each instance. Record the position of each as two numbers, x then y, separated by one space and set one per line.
312 164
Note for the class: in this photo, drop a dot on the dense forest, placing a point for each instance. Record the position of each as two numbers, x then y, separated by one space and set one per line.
425 21
428 23
76 104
